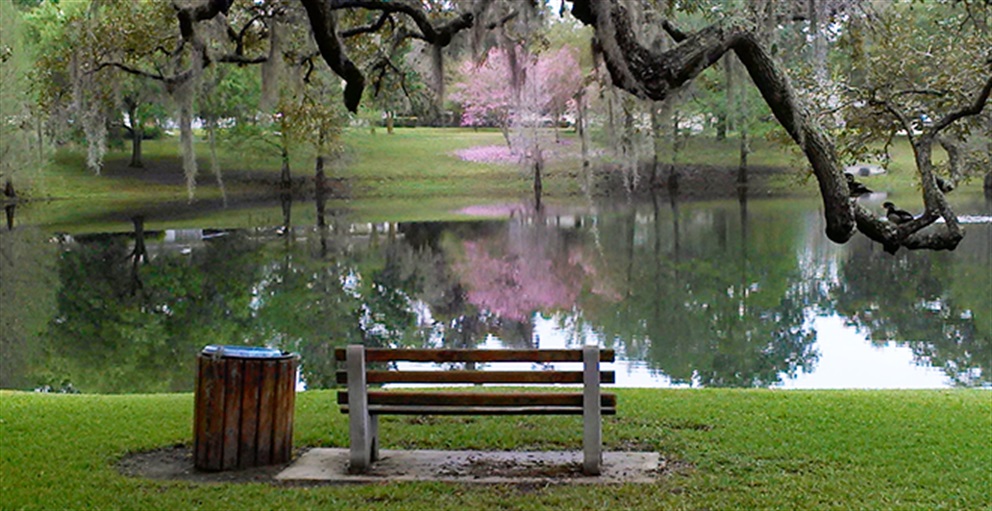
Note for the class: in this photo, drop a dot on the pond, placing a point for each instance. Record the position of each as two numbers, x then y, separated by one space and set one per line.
722 293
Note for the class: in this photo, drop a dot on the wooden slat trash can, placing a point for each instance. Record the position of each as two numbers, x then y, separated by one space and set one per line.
243 414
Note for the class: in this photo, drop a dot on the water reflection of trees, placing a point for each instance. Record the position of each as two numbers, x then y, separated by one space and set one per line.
27 299
921 301
697 292
112 336
705 300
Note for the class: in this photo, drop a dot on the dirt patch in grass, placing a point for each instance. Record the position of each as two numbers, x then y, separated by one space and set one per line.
482 467
176 463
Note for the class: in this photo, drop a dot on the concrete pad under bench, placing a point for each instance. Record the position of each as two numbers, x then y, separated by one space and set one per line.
494 467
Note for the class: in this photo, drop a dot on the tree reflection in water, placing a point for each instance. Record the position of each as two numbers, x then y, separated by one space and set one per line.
915 300
719 294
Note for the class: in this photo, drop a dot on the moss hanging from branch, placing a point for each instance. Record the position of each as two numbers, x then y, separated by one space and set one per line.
272 68
184 97
87 107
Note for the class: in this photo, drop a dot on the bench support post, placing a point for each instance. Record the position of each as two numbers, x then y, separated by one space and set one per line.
361 427
592 434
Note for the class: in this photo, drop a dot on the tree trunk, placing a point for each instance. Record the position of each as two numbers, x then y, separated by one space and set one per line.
320 179
41 140
320 190
742 164
580 126
743 122
538 185
286 202
285 178
139 254
10 203
673 171
818 53
657 137
136 136
724 121
137 133
214 162
390 117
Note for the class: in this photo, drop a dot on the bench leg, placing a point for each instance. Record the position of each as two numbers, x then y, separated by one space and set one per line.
592 431
374 436
359 421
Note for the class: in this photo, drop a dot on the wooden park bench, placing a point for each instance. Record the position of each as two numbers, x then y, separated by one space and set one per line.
364 406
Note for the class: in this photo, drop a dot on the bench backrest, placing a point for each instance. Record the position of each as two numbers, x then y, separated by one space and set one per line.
531 377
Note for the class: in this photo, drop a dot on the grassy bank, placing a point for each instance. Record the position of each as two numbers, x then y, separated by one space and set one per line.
413 162
752 449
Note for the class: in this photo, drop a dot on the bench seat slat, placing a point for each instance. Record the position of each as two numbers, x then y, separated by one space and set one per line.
479 398
476 410
469 355
444 377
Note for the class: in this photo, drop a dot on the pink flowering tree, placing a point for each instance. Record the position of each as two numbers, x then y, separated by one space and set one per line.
560 79
486 90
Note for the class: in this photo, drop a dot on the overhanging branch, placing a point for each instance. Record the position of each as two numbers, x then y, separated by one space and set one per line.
974 108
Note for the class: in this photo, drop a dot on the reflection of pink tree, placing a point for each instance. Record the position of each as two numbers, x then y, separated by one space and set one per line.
522 271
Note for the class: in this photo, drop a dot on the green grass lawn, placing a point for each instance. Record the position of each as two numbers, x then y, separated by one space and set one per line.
740 449
412 162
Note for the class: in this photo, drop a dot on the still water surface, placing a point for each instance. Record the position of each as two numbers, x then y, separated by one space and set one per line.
702 294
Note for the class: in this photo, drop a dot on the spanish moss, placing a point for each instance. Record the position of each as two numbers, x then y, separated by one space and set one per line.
272 68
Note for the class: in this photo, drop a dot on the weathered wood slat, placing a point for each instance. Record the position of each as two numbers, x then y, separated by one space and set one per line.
478 398
249 416
476 410
266 413
233 383
445 377
468 355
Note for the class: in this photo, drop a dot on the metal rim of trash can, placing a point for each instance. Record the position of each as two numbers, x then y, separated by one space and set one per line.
245 352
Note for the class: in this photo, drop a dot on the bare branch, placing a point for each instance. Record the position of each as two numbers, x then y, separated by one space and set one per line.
241 59
240 37
437 35
974 108
130 70
502 21
201 11
366 29
903 119
677 34
921 92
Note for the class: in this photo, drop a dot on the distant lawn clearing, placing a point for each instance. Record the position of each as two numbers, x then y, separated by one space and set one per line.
739 449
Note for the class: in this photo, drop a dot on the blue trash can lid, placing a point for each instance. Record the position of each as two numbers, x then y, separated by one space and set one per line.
242 351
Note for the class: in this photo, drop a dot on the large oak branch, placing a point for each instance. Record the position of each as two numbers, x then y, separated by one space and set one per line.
321 14
650 74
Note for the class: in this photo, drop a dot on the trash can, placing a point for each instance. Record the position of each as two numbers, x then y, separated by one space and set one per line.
243 413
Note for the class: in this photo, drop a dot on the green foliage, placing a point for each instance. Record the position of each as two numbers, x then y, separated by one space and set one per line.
21 153
919 61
